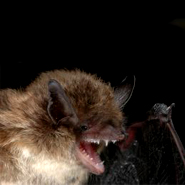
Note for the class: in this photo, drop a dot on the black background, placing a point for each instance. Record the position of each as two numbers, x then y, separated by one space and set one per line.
111 43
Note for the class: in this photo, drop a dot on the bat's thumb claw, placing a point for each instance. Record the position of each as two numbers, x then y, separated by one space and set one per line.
171 106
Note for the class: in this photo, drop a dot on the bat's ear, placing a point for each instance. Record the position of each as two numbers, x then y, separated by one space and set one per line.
123 93
59 106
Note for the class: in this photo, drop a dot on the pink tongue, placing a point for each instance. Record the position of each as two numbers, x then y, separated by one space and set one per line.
93 161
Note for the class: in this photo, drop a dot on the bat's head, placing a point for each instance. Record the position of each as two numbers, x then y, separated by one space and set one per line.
92 111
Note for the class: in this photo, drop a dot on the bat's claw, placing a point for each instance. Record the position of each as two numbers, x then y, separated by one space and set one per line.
161 111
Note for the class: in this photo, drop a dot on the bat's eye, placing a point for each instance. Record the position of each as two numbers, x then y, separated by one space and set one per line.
84 127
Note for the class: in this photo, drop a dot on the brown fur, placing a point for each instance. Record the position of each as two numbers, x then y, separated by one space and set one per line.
32 151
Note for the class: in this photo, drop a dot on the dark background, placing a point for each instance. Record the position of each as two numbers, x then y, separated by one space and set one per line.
149 45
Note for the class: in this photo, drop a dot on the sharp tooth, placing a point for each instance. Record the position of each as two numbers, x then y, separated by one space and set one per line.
113 141
102 162
106 142
93 141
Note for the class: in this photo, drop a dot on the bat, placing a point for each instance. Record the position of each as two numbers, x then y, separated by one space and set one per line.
54 130
152 153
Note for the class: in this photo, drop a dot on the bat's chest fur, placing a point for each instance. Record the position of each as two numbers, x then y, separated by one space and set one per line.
46 170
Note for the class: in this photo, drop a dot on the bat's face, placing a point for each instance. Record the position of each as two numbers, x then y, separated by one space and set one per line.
94 137
95 116
55 130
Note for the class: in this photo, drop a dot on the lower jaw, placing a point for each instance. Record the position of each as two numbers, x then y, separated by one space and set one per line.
96 169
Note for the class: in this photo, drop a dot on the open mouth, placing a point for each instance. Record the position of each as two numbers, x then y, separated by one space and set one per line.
88 153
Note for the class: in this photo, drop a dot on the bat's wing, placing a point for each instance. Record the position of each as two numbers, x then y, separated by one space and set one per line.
152 153
160 150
